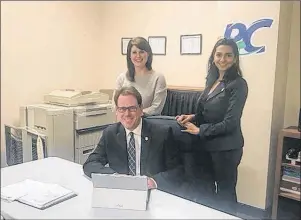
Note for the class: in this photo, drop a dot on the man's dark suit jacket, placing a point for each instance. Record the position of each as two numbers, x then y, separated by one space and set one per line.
159 154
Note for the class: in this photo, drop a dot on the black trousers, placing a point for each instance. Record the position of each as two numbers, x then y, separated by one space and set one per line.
224 173
220 168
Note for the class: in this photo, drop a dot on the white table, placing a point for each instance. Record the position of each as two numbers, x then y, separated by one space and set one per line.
70 175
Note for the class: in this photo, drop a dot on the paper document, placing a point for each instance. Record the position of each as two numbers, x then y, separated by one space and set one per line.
13 192
158 45
36 194
191 44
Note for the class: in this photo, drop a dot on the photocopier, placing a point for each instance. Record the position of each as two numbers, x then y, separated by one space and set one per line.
71 121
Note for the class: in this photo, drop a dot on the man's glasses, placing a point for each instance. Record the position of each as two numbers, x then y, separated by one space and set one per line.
130 108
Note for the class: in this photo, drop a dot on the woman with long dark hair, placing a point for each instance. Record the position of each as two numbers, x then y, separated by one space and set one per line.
140 74
218 120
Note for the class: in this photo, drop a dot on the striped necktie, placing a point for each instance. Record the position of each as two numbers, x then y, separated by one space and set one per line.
132 155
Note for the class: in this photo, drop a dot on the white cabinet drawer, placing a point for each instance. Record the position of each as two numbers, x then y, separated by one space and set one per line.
94 119
82 154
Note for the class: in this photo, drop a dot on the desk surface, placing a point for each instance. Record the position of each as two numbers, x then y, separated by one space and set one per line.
70 175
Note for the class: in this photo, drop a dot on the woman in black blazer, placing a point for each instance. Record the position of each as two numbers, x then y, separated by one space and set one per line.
218 120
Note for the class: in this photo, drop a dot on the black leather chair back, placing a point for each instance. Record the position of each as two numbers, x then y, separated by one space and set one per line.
181 102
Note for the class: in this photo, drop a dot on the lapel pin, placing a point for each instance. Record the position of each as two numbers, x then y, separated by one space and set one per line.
223 89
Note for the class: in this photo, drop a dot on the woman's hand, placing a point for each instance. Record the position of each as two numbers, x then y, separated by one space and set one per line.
191 128
182 119
151 183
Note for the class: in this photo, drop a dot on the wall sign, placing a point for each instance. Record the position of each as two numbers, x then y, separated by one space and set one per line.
243 35
191 44
158 44
124 44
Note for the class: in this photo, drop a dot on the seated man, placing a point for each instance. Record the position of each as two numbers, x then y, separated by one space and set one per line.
136 146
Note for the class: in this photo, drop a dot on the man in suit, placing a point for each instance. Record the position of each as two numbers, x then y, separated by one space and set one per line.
136 146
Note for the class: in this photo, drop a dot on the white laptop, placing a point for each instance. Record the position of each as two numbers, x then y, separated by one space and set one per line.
120 191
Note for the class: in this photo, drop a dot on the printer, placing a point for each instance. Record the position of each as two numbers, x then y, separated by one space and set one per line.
72 97
72 121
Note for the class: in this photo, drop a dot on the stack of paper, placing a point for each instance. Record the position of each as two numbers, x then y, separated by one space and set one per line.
36 194
13 192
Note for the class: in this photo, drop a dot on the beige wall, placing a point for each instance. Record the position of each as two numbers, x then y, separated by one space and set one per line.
292 104
170 19
284 30
46 46
77 44
259 71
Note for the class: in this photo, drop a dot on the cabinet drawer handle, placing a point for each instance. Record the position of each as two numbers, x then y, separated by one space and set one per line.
87 151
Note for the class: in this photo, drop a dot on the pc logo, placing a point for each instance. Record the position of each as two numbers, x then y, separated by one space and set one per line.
243 35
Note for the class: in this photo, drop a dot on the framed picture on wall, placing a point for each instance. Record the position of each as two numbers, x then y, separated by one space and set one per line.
158 44
191 44
124 44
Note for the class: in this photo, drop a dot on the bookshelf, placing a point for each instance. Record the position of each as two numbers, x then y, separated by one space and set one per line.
290 196
287 138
